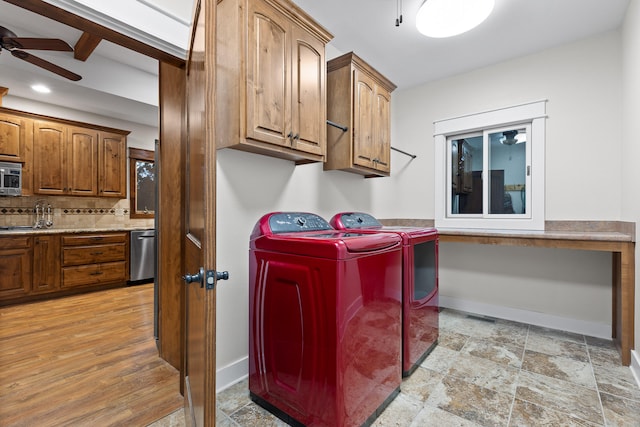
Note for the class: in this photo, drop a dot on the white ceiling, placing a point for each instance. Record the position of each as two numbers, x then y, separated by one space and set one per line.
123 84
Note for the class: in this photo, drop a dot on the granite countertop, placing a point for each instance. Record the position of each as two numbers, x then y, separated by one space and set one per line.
54 230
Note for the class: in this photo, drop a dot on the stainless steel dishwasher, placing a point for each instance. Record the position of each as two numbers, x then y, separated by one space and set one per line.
142 260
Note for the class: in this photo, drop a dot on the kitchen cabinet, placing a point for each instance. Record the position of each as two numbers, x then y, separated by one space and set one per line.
270 80
15 266
93 259
46 263
65 160
462 167
112 158
64 157
15 136
358 97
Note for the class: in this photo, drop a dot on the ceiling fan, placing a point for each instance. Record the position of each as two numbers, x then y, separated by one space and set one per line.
14 44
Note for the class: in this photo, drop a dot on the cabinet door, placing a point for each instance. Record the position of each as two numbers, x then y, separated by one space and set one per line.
382 130
46 263
363 120
112 174
15 133
308 110
15 266
268 76
82 161
466 162
49 158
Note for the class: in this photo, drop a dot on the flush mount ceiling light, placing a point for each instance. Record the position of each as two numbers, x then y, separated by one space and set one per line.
446 18
41 88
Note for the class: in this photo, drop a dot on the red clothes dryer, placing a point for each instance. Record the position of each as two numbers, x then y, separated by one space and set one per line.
325 321
420 283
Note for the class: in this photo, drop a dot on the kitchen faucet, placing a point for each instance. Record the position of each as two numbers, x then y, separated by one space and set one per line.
44 214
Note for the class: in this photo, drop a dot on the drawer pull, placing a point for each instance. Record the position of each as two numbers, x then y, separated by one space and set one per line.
95 273
97 253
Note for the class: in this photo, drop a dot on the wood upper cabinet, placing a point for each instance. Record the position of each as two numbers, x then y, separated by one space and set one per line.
63 157
49 158
82 162
65 160
271 80
359 98
112 165
15 137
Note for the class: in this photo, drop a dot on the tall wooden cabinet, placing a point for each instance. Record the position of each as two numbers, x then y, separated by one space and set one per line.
358 97
63 157
271 80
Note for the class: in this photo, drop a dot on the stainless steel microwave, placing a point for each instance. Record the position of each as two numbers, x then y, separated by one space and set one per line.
10 179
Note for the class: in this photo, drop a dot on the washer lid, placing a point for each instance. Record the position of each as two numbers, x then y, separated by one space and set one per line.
334 245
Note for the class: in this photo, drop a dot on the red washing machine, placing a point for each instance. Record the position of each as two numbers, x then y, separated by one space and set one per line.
325 321
420 283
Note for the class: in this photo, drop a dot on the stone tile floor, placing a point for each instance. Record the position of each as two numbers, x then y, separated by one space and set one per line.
490 372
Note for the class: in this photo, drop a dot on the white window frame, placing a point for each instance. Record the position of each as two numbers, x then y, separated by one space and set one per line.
532 114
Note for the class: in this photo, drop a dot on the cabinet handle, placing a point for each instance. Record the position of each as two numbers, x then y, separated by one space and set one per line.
97 253
296 137
95 273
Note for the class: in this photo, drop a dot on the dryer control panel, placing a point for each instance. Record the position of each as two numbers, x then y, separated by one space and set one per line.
357 220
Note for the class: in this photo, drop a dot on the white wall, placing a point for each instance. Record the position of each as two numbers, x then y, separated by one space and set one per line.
631 130
581 82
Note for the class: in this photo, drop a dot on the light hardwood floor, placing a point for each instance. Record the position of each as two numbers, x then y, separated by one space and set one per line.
85 360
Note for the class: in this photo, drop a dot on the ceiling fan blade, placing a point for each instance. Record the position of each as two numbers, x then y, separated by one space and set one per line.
36 44
46 65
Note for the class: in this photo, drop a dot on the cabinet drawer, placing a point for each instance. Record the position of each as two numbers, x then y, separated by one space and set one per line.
76 255
14 242
92 239
94 274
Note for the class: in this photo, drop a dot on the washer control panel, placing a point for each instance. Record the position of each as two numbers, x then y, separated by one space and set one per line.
291 222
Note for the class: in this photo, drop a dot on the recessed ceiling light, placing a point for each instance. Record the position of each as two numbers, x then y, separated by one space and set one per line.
41 88
446 18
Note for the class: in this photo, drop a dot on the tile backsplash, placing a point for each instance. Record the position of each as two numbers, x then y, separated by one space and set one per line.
71 212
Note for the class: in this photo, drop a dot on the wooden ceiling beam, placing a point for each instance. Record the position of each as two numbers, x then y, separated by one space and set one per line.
57 14
85 46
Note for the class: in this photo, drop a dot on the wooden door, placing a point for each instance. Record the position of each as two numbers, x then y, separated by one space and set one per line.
308 110
49 158
112 174
82 162
363 120
268 76
199 236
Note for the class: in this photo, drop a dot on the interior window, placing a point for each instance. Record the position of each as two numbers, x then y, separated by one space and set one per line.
485 179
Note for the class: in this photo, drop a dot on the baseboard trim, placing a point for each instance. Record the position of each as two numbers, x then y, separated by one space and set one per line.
592 329
232 373
635 366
